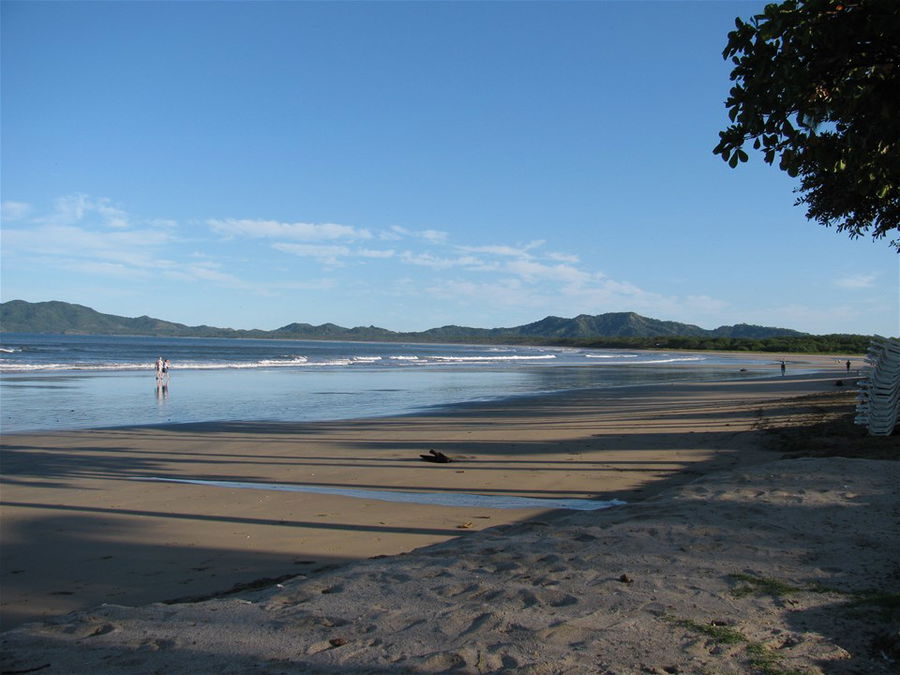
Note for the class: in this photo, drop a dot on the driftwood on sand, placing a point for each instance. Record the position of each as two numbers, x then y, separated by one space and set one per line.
436 457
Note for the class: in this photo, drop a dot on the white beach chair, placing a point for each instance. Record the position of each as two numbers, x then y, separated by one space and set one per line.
878 400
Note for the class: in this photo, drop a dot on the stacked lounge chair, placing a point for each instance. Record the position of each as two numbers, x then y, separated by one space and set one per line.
879 391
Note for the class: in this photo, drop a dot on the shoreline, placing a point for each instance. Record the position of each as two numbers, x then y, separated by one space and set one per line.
726 558
71 494
56 400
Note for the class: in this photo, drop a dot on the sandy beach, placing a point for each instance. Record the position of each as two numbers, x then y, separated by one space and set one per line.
165 576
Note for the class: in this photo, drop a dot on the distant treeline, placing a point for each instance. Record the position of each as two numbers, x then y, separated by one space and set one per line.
806 344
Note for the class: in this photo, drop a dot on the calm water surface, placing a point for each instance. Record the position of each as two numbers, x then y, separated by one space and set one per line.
52 382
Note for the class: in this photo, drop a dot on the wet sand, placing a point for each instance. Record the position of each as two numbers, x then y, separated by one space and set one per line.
628 589
81 527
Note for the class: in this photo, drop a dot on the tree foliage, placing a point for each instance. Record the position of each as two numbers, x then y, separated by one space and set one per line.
817 85
805 344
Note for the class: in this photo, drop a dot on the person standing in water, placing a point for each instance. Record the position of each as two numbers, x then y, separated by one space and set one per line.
783 366
160 365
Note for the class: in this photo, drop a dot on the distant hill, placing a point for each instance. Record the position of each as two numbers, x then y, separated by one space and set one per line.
613 324
18 316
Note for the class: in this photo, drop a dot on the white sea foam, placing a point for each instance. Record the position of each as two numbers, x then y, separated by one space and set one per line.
611 356
474 359
38 367
437 498
293 362
676 359
12 367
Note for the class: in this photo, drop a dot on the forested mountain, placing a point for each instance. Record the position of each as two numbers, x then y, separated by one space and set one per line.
18 316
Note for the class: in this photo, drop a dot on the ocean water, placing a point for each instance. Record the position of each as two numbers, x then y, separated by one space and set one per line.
53 382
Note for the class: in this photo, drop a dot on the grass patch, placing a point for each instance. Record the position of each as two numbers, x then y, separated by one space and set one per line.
887 602
767 662
761 658
721 634
773 587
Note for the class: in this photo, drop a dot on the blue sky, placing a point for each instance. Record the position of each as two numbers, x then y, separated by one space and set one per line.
407 165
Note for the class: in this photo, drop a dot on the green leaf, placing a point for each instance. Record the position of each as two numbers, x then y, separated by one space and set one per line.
813 88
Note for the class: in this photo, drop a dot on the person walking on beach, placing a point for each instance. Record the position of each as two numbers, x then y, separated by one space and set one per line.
783 366
848 366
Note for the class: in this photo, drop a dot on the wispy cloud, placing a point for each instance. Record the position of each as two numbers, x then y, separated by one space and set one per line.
376 253
273 229
433 236
425 259
92 236
11 211
206 272
523 251
324 253
89 235
855 282
68 241
76 208
531 270
564 257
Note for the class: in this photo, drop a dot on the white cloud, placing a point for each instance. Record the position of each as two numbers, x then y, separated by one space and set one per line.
12 211
208 273
113 217
124 246
69 209
321 252
434 262
162 222
506 293
521 251
389 235
272 229
75 208
433 236
803 317
855 281
330 254
564 257
375 253
532 271
314 285
91 236
565 292
105 269
704 304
